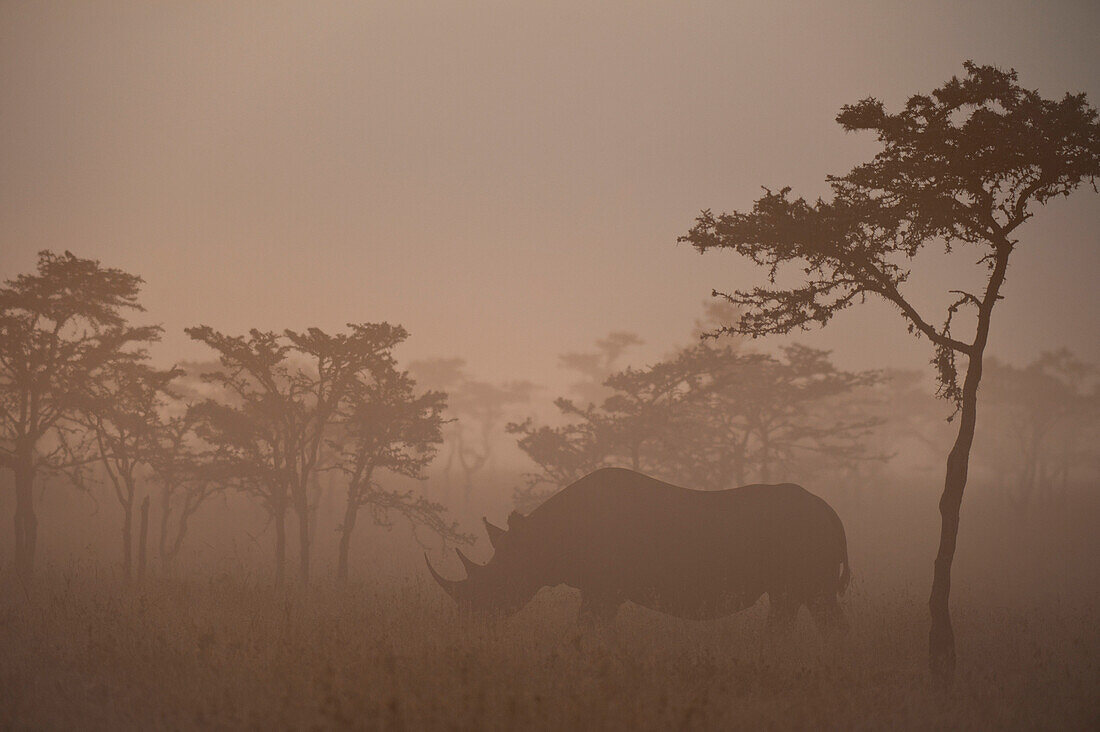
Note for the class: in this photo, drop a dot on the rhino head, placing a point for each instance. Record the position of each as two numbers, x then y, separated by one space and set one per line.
503 585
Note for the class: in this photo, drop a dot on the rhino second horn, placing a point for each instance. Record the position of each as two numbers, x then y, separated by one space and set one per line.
449 586
470 565
495 532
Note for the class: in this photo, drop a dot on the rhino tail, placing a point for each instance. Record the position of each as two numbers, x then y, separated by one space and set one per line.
845 576
845 568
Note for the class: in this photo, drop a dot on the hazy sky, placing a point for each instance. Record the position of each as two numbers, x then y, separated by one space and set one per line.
507 180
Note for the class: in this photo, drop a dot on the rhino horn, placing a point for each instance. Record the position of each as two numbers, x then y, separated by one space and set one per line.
495 532
470 565
449 586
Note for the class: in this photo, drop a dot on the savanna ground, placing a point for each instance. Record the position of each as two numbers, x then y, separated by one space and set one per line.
223 653
217 647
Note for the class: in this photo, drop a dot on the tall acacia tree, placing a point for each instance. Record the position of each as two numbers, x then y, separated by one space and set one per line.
965 165
386 427
286 391
59 328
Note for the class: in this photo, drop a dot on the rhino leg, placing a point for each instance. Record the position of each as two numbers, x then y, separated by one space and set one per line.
782 611
827 615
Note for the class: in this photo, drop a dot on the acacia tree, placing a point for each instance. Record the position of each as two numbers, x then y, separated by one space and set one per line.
595 366
59 327
479 408
1044 413
286 393
247 424
964 166
187 473
708 416
755 416
121 412
387 428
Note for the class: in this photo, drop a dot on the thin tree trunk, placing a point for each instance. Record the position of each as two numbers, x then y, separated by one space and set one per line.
142 537
181 533
26 523
280 544
301 502
128 539
941 636
350 514
162 540
765 465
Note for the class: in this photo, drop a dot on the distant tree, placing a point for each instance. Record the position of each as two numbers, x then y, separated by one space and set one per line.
387 428
709 417
595 366
564 453
963 166
121 413
187 472
756 416
59 328
286 393
1044 419
480 408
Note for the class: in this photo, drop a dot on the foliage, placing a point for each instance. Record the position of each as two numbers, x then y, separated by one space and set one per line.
1043 419
708 417
479 408
964 165
60 329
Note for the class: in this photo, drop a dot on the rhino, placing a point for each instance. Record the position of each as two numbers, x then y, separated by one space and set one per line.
618 535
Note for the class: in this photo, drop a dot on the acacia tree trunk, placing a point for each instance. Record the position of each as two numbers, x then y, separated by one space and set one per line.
162 539
181 533
279 515
301 507
143 533
128 539
941 636
26 523
765 461
351 512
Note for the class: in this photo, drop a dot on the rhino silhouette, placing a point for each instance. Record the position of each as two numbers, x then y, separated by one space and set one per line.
617 535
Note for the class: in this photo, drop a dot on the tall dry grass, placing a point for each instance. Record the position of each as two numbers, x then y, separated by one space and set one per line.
77 652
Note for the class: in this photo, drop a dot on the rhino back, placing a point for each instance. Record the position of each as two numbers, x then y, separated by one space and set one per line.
632 534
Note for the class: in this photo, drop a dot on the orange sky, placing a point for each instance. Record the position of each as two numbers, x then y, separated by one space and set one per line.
507 180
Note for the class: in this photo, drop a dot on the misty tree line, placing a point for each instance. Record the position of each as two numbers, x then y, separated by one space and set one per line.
717 415
276 411
81 398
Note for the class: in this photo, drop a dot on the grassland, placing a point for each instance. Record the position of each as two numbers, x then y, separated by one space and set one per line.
85 653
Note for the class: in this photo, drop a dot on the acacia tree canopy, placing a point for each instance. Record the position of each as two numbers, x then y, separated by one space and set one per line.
965 164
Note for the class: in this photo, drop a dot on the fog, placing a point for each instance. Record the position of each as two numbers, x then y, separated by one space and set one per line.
298 296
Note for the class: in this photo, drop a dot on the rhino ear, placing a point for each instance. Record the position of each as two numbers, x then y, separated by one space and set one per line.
495 532
515 518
